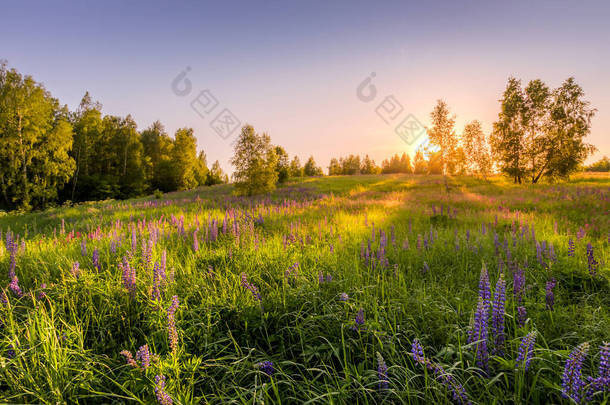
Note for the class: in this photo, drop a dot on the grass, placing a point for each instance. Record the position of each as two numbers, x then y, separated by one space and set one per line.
61 341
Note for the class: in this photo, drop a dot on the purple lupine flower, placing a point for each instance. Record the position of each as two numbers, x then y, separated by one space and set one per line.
426 268
571 247
128 274
550 295
571 380
602 382
95 259
592 263
405 243
41 294
456 389
360 317
478 334
497 315
382 373
485 287
129 358
143 355
526 350
156 292
195 242
266 367
521 316
83 247
3 297
251 287
162 397
344 297
14 287
171 324
12 248
518 284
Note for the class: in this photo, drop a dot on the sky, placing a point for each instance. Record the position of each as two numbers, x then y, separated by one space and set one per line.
298 70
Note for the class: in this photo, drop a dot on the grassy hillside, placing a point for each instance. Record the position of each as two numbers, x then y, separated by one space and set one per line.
332 280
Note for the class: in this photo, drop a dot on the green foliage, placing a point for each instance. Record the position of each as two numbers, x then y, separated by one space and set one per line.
35 141
539 132
311 169
603 165
397 164
255 162
63 346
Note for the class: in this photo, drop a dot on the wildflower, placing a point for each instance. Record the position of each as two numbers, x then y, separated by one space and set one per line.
162 397
252 288
518 284
266 367
41 294
456 389
592 263
602 382
526 350
156 287
171 324
10 353
360 317
571 380
484 286
95 258
344 297
521 315
571 247
83 247
143 355
129 358
478 334
426 267
497 315
14 286
550 295
129 277
382 372
195 242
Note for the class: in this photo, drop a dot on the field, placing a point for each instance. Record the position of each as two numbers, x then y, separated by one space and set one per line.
326 291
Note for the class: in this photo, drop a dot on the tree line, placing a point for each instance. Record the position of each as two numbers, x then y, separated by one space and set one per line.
51 155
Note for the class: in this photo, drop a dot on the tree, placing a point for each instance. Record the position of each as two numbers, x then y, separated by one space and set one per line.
201 169
541 133
334 167
311 169
158 148
564 148
369 166
476 153
283 167
184 158
255 162
350 165
420 166
535 124
507 139
295 167
442 135
603 165
215 175
35 139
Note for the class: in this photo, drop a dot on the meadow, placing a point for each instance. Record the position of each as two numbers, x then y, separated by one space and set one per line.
354 289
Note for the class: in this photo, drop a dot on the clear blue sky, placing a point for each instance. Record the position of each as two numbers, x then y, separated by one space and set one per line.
292 69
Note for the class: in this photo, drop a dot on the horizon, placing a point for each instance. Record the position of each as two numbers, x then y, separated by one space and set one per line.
297 81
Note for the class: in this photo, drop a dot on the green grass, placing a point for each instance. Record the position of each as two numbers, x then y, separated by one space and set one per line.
66 343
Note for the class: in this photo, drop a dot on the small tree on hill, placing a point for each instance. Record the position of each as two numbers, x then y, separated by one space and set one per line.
311 169
255 163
